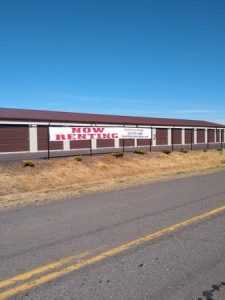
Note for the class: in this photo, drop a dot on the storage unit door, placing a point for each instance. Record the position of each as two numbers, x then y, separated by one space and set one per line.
176 136
42 133
211 135
188 136
161 136
127 142
101 143
14 138
200 136
143 142
222 136
217 135
80 144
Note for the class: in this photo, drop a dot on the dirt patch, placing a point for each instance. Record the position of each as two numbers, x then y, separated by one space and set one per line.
69 177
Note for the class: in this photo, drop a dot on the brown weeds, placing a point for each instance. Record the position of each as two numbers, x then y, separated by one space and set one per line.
60 178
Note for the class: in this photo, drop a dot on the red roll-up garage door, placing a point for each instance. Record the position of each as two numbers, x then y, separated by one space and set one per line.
42 133
222 136
143 142
211 135
14 138
103 143
189 136
126 142
176 136
161 136
80 144
200 136
217 135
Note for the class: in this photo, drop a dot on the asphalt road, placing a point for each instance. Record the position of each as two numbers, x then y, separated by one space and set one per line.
182 262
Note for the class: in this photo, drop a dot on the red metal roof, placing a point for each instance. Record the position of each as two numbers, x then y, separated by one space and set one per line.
56 116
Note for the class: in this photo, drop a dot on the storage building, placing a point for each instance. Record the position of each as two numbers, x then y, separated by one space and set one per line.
25 132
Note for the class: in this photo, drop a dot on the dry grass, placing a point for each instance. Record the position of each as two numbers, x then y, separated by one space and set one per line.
60 178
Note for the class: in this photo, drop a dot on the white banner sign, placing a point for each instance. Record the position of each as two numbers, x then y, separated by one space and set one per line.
88 133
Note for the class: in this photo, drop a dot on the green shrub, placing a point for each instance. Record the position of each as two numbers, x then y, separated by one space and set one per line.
78 158
222 161
118 155
28 163
167 152
138 151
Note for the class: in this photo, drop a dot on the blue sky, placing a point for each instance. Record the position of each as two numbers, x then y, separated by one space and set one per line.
130 57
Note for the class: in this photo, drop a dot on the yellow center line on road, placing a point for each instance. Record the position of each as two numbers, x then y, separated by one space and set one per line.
46 268
109 253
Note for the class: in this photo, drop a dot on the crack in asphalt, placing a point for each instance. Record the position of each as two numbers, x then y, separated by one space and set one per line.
210 294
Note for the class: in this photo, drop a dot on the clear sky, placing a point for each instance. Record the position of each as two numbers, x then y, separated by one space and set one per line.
131 57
